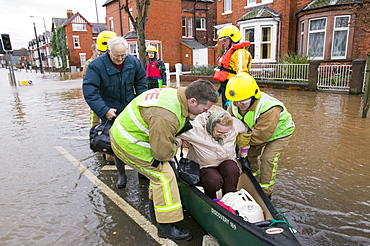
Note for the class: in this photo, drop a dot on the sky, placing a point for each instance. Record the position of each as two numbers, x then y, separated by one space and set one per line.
15 17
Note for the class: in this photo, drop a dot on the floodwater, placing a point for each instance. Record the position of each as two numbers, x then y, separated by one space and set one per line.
322 181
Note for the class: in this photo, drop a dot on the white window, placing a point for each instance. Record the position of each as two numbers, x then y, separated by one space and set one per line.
76 42
262 33
301 38
190 27
130 23
227 7
316 38
183 23
82 59
200 23
249 36
340 36
133 49
254 3
78 27
266 42
111 24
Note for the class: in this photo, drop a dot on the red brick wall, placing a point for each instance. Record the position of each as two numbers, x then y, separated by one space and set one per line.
164 24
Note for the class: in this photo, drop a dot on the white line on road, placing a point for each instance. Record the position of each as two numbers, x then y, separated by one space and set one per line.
121 203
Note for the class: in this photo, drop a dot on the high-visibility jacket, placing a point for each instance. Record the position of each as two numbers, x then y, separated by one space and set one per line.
152 71
223 68
129 129
285 126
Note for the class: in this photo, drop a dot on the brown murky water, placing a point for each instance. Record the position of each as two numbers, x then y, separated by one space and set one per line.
322 181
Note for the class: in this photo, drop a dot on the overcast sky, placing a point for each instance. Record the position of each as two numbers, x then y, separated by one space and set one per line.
15 17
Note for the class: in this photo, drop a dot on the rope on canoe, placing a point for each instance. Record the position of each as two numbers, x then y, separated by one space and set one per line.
285 221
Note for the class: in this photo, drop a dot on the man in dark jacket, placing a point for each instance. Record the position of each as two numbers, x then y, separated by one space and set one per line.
111 81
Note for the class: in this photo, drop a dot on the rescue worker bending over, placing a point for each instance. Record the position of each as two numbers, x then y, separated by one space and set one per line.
270 122
143 137
236 58
155 69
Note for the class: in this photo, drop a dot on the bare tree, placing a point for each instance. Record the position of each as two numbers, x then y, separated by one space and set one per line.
139 22
361 10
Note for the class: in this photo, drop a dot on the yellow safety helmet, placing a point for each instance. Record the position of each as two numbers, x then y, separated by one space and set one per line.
241 87
102 40
230 31
151 48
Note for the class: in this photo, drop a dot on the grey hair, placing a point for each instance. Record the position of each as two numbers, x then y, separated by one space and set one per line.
117 40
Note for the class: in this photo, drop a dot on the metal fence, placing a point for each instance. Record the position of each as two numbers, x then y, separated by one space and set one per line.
284 72
334 77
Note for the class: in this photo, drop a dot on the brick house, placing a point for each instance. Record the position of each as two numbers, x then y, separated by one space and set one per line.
180 29
318 28
80 35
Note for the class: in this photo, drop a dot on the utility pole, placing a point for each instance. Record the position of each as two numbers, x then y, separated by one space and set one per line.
46 40
38 50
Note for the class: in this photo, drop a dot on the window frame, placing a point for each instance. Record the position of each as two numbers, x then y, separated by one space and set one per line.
190 27
227 7
336 29
257 45
314 57
82 59
202 22
74 38
76 25
111 24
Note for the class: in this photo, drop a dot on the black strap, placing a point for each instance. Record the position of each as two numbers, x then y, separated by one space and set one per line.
226 69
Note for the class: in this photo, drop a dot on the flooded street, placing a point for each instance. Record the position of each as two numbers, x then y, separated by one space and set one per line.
322 181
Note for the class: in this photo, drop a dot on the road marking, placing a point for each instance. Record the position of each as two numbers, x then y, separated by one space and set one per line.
76 137
121 203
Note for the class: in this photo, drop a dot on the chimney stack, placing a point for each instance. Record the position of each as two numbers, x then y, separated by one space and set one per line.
69 13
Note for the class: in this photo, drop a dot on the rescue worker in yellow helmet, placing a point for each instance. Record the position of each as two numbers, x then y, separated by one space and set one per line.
236 58
102 40
270 122
99 48
155 69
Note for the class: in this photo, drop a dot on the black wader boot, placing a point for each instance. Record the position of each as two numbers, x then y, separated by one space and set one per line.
122 179
172 231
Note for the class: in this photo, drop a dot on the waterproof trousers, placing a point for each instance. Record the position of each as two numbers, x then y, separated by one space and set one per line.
225 177
163 188
221 90
263 161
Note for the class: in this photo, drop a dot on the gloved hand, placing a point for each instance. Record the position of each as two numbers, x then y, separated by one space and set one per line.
227 104
243 139
244 163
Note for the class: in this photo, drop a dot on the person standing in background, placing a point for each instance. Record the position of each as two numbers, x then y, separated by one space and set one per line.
155 69
235 59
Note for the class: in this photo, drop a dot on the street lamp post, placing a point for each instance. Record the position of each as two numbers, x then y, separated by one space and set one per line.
38 50
46 40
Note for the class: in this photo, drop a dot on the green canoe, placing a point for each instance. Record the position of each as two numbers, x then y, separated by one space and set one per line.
230 229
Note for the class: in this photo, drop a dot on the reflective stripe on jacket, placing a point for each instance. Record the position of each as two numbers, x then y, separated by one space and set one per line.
132 133
285 126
